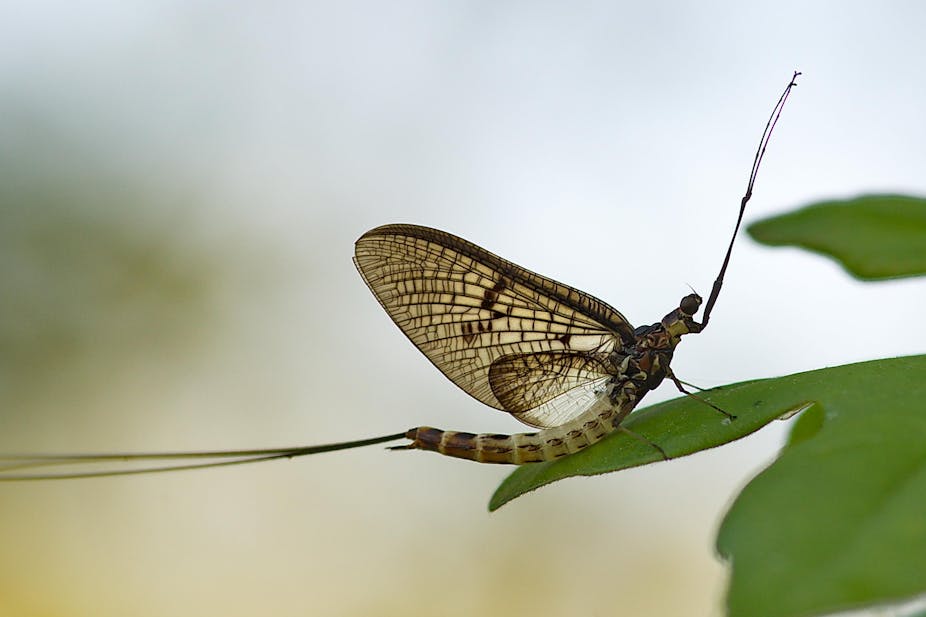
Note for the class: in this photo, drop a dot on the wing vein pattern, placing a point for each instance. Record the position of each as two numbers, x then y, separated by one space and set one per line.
511 338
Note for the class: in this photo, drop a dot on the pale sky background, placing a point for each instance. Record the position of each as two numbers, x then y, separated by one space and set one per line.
182 183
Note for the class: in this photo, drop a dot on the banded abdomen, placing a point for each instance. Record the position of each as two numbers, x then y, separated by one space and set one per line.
599 420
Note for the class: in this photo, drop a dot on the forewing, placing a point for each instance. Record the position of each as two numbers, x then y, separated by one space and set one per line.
465 308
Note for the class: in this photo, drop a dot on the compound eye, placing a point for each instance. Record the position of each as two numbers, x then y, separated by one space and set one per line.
690 304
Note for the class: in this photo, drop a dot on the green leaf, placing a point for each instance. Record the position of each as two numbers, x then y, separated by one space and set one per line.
874 236
839 520
680 426
807 425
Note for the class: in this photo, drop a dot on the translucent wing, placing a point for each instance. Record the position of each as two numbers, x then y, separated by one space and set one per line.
469 310
530 386
566 406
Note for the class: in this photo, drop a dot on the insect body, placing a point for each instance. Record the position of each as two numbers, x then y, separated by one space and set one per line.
552 356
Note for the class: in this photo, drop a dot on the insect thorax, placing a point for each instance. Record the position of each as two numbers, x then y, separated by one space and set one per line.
646 361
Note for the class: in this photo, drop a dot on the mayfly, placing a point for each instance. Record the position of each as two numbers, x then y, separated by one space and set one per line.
554 357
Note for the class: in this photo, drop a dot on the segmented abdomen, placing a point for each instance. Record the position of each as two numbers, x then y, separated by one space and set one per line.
602 418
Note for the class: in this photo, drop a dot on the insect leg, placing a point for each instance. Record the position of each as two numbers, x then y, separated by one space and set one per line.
640 437
683 390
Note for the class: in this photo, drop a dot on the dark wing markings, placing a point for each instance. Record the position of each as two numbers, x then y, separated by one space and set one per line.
468 310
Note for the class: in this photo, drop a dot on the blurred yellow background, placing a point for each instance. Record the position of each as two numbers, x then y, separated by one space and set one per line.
181 184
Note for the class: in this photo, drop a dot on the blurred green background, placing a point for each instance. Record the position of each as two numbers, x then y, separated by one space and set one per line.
180 187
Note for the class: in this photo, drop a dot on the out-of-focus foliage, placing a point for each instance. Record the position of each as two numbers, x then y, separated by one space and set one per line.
93 274
837 520
873 236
